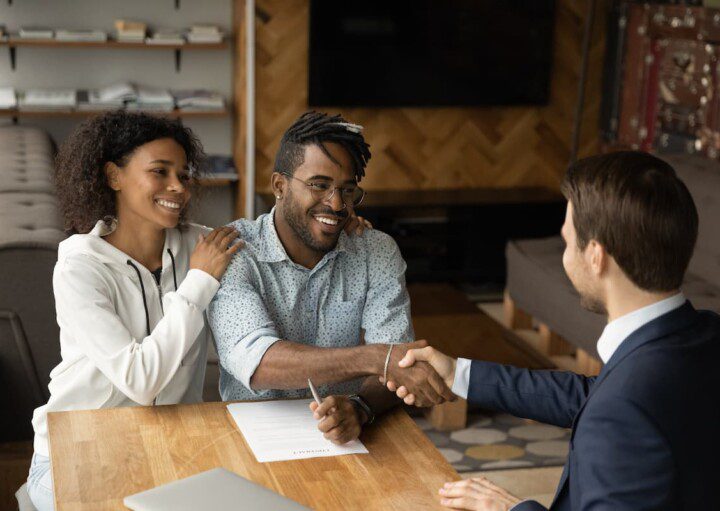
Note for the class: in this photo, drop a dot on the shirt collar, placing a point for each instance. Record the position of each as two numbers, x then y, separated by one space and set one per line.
271 249
618 330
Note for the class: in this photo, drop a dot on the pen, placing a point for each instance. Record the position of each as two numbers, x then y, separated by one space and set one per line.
314 392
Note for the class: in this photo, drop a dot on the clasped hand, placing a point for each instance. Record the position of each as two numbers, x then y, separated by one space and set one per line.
416 376
425 360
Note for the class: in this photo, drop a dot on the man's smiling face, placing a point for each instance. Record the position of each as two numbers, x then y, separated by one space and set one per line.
318 223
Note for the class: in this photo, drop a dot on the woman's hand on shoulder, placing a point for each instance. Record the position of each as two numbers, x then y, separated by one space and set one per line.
356 225
214 251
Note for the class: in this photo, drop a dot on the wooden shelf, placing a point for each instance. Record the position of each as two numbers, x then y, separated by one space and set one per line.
52 43
19 114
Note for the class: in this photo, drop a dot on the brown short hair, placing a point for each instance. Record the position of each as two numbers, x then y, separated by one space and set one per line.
636 207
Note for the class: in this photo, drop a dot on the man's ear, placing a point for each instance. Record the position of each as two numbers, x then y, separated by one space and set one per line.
278 184
112 172
597 257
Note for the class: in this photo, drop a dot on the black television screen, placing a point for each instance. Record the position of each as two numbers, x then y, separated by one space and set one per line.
430 52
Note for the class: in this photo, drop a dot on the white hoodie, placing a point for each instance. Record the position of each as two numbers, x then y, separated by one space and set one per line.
123 344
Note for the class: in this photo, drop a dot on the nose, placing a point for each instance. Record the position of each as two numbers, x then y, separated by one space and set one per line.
175 183
336 201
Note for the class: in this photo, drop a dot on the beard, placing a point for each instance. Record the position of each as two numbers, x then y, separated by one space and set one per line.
299 222
592 303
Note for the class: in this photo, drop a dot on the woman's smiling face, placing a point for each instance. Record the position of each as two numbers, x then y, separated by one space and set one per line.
153 185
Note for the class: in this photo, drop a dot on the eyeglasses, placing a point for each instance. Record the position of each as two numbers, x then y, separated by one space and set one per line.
324 191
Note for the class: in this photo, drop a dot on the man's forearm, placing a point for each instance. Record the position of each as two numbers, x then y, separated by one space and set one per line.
288 365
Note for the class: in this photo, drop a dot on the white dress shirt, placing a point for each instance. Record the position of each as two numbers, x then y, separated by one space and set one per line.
613 335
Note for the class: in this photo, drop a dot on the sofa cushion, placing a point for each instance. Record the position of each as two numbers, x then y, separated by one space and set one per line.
29 220
702 177
537 283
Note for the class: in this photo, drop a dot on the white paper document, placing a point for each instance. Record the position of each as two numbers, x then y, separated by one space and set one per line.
285 430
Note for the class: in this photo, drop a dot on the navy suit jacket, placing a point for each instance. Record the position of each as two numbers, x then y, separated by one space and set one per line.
645 431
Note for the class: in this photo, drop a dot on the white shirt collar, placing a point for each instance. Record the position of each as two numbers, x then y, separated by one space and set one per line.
617 331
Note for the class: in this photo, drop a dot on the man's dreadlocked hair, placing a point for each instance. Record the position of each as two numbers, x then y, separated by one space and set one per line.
317 128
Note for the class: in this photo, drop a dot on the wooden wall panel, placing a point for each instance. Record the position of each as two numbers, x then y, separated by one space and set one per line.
433 148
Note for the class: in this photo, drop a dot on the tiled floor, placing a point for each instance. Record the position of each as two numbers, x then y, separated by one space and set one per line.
535 483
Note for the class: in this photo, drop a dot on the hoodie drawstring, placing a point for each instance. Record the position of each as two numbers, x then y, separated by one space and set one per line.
142 288
172 259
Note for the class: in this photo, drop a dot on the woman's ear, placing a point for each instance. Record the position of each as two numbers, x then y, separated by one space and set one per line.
112 172
278 183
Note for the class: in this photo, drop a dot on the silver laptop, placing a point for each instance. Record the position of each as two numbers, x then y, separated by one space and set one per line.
215 489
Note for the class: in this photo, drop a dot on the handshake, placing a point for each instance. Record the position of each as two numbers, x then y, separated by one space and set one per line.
420 375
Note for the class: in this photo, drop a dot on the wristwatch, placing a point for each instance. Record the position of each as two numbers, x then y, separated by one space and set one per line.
361 404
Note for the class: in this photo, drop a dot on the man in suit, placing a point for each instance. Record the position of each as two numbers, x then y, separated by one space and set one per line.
644 431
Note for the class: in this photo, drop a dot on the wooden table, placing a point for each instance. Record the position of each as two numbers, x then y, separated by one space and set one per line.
101 456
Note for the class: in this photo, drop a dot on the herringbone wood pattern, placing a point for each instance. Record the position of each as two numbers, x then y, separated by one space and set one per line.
436 147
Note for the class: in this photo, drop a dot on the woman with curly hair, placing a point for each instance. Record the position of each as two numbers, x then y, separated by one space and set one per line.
133 281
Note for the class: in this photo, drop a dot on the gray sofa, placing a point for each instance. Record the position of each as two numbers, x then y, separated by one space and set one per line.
30 230
537 284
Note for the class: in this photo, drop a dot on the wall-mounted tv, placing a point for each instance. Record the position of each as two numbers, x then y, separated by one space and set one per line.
389 53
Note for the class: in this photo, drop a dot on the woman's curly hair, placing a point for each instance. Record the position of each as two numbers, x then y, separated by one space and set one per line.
82 187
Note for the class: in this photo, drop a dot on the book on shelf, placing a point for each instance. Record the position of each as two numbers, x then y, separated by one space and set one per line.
198 99
218 166
8 98
98 36
47 99
34 32
165 36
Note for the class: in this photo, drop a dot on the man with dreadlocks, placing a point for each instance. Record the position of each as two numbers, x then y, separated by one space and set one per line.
305 300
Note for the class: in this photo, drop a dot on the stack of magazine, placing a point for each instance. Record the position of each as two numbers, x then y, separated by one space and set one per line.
32 32
198 99
48 99
96 36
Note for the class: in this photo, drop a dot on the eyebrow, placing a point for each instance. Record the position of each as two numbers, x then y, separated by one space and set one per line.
328 178
168 162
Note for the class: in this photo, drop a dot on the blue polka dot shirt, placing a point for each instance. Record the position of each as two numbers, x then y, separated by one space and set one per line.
264 297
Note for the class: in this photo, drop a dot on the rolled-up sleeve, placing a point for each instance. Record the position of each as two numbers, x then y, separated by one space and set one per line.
386 316
240 322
